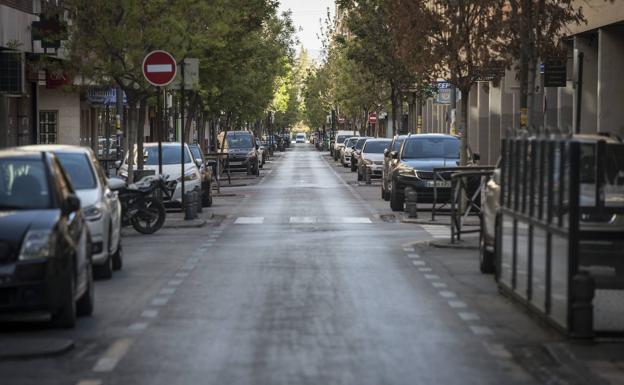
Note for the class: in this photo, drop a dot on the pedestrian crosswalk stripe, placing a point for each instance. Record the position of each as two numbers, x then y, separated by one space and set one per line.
356 220
249 220
437 231
302 220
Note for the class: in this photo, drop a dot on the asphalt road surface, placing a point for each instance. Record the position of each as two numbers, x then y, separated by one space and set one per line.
301 283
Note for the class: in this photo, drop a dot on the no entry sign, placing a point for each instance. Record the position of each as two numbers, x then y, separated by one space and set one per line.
159 68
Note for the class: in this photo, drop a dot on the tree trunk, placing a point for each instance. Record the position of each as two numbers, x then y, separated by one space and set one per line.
463 127
141 131
393 97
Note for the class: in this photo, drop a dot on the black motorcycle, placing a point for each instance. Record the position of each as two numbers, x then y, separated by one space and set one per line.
141 203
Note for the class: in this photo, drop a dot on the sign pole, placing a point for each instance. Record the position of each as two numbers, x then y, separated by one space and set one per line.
182 102
159 128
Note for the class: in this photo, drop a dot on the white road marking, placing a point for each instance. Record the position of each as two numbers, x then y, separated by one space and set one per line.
249 220
149 313
302 220
89 382
175 282
438 284
432 276
408 249
182 275
188 267
160 301
447 294
497 350
356 220
481 330
113 355
437 231
457 304
418 263
193 260
466 316
138 326
415 256
167 291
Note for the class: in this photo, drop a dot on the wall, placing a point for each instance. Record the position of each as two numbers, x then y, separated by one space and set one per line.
68 106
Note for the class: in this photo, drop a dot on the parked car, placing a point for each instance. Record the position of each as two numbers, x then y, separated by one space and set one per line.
241 149
419 155
371 158
261 153
341 136
171 167
100 205
598 252
389 163
357 150
205 171
45 247
300 138
347 151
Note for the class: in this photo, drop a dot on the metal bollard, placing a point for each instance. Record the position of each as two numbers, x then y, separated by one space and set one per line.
583 290
198 200
189 206
411 202
368 175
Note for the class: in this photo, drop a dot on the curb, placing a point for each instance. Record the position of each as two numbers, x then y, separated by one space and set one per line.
29 348
182 224
457 246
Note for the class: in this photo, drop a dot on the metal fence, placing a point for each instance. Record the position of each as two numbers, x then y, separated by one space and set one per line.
560 235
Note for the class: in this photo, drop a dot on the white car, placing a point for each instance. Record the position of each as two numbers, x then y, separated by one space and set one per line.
170 166
300 138
347 151
100 205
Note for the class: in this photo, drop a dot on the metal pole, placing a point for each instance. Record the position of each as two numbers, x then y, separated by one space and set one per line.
182 106
159 132
579 94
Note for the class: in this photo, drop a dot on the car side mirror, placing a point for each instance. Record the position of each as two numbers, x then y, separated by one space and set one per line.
115 183
394 155
117 164
386 153
198 162
476 157
257 147
71 204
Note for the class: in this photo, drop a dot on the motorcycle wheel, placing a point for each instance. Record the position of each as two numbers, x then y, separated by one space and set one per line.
150 218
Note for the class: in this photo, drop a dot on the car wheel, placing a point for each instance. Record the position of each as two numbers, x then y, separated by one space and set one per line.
65 316
104 271
486 257
85 304
118 258
396 201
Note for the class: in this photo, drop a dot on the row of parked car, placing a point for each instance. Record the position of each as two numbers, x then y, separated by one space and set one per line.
400 162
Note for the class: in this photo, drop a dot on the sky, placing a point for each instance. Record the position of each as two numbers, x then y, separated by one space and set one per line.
306 15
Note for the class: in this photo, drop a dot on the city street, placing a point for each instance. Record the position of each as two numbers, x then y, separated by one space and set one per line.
301 282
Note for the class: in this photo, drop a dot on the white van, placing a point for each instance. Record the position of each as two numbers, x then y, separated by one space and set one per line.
300 138
341 136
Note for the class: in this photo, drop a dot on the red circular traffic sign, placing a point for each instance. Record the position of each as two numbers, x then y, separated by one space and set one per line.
159 68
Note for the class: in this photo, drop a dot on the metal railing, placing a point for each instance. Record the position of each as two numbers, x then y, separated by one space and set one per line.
560 232
465 198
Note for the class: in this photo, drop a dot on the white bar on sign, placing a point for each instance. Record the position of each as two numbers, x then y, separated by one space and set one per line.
159 68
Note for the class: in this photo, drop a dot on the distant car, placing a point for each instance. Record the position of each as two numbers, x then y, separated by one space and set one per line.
261 153
300 138
340 138
100 206
205 171
347 151
357 149
389 163
371 158
171 166
45 247
242 154
419 155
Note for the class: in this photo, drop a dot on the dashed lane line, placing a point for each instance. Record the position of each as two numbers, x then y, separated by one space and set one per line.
113 355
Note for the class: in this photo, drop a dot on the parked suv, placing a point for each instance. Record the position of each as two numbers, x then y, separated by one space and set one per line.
371 158
419 155
242 151
389 163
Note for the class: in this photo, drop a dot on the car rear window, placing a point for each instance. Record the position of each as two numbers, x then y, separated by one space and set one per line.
425 148
23 185
78 169
240 141
170 155
360 143
375 146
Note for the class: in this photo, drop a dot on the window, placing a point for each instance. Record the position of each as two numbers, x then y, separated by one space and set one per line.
23 184
48 127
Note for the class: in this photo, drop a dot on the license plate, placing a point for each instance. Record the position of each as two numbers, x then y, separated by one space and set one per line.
439 183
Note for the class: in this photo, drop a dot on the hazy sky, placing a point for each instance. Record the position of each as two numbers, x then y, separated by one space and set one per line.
306 15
